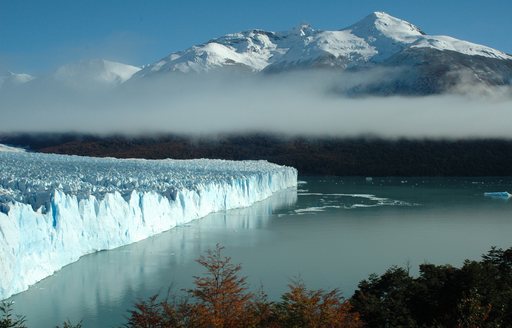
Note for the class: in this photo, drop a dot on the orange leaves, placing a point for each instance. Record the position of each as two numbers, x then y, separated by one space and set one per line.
221 299
301 307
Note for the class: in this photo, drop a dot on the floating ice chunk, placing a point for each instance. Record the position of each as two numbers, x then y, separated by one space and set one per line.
498 194
315 209
375 201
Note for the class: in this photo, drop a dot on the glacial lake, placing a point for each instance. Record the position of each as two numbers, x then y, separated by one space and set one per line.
332 232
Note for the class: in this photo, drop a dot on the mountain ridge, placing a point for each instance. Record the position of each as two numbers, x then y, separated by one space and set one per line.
422 64
97 70
373 39
102 72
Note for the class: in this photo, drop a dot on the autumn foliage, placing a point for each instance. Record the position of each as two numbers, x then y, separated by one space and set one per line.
221 299
477 295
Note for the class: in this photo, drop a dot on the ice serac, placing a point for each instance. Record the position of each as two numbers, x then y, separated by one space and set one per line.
56 208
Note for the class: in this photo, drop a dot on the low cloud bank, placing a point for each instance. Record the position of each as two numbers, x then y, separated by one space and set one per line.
290 104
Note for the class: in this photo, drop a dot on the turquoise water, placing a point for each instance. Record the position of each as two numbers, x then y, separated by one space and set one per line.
332 232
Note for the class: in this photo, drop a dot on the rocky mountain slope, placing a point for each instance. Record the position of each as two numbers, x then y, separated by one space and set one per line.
398 57
420 63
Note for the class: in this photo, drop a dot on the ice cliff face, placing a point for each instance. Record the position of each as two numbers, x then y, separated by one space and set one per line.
54 208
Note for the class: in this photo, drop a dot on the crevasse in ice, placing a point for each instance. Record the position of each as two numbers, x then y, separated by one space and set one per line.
56 208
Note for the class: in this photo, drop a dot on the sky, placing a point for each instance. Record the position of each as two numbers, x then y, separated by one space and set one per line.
37 36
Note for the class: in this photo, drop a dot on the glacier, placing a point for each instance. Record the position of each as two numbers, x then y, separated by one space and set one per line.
56 208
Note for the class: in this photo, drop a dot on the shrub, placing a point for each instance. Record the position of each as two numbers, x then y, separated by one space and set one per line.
221 299
7 319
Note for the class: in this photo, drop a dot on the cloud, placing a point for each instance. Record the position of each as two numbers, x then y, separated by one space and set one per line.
290 104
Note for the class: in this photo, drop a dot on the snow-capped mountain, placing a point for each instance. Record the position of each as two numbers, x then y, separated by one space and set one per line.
378 40
83 74
413 62
98 71
14 79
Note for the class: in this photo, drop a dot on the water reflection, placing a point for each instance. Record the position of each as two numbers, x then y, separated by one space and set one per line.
109 281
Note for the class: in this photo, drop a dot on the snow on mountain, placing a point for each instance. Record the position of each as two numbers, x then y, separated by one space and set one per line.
441 42
323 48
87 73
56 208
14 79
251 50
95 71
386 34
372 40
418 63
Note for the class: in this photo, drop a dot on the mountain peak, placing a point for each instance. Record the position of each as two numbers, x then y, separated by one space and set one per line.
386 33
303 29
99 70
371 41
382 14
381 24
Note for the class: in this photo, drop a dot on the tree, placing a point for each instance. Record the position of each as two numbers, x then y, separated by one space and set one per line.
222 297
384 301
152 313
301 307
472 313
7 319
68 324
147 314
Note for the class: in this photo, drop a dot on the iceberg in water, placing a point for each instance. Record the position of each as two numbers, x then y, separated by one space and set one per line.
498 194
56 208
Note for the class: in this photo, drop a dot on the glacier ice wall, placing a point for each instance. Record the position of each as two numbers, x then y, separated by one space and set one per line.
132 270
56 208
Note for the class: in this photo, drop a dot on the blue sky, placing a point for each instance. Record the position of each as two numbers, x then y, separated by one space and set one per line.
38 36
